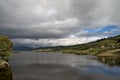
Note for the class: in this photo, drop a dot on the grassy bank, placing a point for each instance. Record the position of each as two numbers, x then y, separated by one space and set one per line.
110 53
5 51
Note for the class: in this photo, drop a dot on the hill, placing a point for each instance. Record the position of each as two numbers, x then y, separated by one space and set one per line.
22 48
93 48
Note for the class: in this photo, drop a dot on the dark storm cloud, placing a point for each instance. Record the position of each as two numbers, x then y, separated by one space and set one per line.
56 19
29 19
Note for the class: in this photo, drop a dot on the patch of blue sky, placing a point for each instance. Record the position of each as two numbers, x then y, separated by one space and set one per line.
109 28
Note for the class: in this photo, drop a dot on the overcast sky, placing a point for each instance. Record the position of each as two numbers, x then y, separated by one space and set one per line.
38 23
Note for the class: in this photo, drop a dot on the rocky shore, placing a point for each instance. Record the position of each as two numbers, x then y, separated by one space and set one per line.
5 51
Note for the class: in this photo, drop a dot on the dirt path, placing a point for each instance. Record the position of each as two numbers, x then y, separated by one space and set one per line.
110 53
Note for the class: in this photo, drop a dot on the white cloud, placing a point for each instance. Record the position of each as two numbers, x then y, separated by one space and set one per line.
53 42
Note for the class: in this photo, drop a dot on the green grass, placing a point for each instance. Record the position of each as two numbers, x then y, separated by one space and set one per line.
92 48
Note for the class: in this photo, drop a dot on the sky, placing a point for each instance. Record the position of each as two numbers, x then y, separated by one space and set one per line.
40 23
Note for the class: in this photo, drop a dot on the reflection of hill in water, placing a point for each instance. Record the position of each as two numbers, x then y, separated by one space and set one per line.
111 61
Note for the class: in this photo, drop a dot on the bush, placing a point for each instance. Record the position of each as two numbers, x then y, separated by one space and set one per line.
5 47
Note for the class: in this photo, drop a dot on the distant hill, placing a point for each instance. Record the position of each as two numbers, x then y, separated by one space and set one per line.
93 48
25 48
22 48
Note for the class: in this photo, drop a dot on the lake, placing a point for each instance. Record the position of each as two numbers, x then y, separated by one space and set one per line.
30 65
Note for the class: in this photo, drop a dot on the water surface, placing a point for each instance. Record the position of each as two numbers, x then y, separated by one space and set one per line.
58 66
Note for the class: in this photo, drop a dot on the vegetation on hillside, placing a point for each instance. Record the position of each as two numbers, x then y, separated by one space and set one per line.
93 48
5 50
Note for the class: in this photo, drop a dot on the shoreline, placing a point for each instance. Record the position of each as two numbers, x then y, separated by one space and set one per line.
108 53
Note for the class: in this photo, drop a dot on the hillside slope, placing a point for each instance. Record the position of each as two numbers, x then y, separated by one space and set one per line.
92 48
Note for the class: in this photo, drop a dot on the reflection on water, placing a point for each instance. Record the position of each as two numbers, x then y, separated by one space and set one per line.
111 61
6 74
58 66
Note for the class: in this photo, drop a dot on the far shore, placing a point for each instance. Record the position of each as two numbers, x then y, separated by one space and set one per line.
109 53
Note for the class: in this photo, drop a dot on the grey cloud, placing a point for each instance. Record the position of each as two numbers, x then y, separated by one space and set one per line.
115 10
83 9
48 19
31 20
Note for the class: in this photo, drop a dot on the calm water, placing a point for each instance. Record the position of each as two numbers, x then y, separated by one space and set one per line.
58 66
